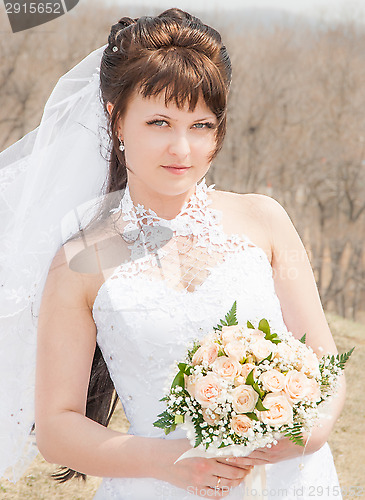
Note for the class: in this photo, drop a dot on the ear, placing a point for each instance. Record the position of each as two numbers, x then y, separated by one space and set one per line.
110 107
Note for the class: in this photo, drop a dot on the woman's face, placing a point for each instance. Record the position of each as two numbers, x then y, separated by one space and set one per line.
167 149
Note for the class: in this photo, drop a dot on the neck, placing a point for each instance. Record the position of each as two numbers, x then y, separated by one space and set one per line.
165 205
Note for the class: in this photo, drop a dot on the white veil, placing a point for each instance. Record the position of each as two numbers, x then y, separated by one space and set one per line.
44 179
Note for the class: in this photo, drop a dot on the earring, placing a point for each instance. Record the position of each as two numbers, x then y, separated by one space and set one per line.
121 144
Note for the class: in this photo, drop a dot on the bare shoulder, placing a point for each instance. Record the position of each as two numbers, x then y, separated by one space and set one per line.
261 204
75 268
250 214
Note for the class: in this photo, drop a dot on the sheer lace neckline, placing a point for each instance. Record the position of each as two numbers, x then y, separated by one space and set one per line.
199 199
193 210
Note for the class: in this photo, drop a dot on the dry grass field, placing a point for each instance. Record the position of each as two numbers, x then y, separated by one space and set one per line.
347 439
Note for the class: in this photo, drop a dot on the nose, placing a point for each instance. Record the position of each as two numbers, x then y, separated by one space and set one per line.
179 145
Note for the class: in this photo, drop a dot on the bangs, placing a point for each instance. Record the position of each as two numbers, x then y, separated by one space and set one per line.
183 75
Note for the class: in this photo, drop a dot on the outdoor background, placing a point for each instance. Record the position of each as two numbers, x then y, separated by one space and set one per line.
296 132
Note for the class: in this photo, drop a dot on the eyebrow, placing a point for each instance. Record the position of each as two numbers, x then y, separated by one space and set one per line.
173 119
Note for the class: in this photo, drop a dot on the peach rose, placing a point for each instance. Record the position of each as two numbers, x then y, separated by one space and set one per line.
279 411
209 338
261 348
256 334
211 418
244 398
296 385
311 364
240 424
206 353
272 380
284 352
246 369
226 368
314 391
207 390
235 350
231 334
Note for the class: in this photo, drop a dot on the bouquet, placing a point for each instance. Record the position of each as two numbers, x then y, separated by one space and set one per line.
244 387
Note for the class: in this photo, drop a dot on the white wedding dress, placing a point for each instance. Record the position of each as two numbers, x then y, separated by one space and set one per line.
170 290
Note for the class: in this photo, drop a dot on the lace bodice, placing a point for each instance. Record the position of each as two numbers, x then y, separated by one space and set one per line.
178 278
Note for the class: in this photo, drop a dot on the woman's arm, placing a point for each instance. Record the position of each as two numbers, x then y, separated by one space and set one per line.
300 303
302 313
66 343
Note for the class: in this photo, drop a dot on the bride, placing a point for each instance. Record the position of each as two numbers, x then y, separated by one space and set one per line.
118 254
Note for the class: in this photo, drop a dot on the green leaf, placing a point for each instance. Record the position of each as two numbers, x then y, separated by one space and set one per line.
179 419
268 358
273 337
231 317
178 380
343 358
185 368
250 380
252 415
250 325
294 434
259 406
258 389
166 421
302 340
198 430
264 326
170 429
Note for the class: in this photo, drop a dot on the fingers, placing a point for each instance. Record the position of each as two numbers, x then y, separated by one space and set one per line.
243 462
223 487
247 464
227 471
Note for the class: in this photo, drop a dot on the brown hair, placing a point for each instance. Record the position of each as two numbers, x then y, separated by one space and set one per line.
175 54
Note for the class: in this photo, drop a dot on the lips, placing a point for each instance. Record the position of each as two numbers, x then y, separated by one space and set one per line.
176 169
179 167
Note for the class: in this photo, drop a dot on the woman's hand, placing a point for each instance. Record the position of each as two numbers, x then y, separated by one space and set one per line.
283 450
204 477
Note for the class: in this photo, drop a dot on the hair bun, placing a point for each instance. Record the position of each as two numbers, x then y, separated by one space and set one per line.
116 30
127 21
